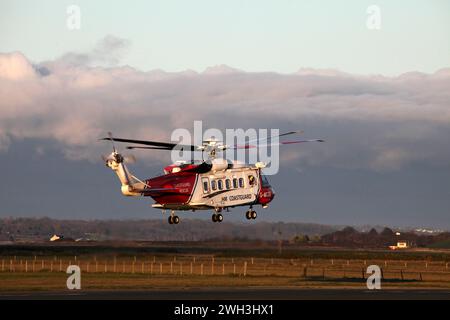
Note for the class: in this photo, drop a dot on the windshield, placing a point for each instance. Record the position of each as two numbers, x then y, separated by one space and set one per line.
265 181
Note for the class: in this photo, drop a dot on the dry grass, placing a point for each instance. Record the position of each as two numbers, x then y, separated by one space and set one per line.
140 272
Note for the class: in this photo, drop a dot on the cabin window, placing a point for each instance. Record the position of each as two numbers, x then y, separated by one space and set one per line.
205 186
220 184
213 185
251 180
241 182
235 183
228 184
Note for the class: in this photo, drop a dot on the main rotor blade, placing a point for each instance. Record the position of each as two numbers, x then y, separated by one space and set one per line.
277 135
247 146
161 145
257 141
148 148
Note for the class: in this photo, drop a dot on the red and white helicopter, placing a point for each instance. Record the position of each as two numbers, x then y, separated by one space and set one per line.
215 184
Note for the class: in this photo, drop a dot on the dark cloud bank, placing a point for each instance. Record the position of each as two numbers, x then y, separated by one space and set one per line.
386 160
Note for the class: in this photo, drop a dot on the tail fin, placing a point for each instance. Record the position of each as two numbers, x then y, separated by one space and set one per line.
129 185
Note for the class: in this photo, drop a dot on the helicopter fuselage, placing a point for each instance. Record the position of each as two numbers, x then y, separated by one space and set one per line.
194 187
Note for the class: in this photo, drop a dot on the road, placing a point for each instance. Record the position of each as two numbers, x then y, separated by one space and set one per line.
249 293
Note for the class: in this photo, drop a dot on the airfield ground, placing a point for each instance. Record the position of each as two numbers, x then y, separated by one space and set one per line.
120 267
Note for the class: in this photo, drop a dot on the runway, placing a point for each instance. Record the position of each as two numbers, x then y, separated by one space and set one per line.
248 293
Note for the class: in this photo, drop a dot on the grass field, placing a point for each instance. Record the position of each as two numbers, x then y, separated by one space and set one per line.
102 269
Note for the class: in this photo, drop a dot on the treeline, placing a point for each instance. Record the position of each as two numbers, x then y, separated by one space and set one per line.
41 229
349 237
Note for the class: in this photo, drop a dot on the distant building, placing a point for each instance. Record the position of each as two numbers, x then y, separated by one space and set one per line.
56 237
401 244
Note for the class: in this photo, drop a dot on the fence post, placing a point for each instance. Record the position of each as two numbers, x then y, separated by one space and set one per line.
201 269
234 269
192 269
26 265
171 267
223 268
181 269
245 268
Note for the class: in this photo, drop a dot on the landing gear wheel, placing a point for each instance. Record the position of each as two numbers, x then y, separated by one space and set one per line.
248 215
253 214
217 217
174 220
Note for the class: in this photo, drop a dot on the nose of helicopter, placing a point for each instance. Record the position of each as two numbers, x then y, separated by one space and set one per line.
266 195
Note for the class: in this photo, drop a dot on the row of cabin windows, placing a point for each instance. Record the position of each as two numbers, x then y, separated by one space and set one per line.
219 184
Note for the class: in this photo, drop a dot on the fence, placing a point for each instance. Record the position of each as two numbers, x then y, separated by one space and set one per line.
321 269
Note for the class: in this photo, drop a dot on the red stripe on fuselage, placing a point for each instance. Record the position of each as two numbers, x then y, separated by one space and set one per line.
183 182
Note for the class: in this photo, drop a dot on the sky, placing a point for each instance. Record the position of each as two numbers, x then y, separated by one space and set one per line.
379 97
253 35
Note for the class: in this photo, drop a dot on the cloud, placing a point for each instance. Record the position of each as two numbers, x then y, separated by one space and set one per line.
107 52
374 122
14 66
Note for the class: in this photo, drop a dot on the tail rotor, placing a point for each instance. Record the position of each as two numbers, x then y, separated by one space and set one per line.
115 155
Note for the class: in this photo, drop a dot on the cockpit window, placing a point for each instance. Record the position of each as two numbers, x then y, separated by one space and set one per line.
265 181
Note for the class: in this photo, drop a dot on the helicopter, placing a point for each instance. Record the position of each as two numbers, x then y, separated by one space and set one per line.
214 184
